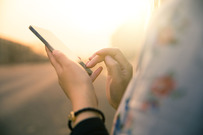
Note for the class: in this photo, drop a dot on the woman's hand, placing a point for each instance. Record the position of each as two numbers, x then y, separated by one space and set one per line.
119 72
74 81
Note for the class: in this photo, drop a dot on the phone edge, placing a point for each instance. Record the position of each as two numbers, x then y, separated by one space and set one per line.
41 38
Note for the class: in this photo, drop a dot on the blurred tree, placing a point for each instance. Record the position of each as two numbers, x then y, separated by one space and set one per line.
11 52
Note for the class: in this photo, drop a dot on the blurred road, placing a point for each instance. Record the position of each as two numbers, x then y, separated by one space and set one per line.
32 103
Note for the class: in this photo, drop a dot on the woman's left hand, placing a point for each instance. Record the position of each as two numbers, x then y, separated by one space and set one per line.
74 80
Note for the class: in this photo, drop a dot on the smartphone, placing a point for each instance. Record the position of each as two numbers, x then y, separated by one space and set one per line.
52 43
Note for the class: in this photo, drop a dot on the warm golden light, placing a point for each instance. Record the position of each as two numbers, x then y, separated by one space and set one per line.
84 25
94 15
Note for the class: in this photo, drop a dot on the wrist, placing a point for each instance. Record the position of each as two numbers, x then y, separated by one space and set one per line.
81 103
84 103
83 114
84 99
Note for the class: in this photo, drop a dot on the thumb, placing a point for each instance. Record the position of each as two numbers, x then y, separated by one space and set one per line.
113 67
60 57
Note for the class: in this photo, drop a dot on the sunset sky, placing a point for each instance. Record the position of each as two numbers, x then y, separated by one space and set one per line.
83 25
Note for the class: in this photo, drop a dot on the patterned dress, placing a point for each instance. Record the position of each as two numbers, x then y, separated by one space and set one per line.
166 95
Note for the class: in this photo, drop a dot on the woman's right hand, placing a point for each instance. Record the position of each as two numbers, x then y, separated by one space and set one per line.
119 72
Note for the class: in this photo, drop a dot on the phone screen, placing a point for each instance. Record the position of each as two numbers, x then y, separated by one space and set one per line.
53 43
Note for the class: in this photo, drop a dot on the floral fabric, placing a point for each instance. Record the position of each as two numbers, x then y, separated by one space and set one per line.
165 96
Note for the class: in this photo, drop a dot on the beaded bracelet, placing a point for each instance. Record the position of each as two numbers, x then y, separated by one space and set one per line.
72 115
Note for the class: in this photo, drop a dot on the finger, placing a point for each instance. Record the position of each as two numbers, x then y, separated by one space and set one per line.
51 58
97 59
103 53
113 67
87 63
90 58
61 58
96 73
116 54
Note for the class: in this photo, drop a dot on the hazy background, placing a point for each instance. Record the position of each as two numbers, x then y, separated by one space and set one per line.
31 101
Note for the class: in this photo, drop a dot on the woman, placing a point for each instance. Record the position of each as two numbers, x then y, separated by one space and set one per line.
164 95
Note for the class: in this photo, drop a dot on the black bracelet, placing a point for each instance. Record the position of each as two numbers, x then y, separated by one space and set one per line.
72 115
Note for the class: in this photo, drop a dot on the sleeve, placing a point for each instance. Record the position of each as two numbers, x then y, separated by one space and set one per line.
91 126
166 98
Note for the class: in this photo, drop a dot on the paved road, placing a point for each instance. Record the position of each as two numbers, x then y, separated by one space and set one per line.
32 103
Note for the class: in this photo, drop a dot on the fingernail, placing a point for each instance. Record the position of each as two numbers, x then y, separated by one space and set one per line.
88 64
55 52
90 58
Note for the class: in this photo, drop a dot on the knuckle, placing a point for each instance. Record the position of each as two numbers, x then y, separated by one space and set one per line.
130 67
114 64
117 50
65 64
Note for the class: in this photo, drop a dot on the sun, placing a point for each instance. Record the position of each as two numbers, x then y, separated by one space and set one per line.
81 24
91 15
